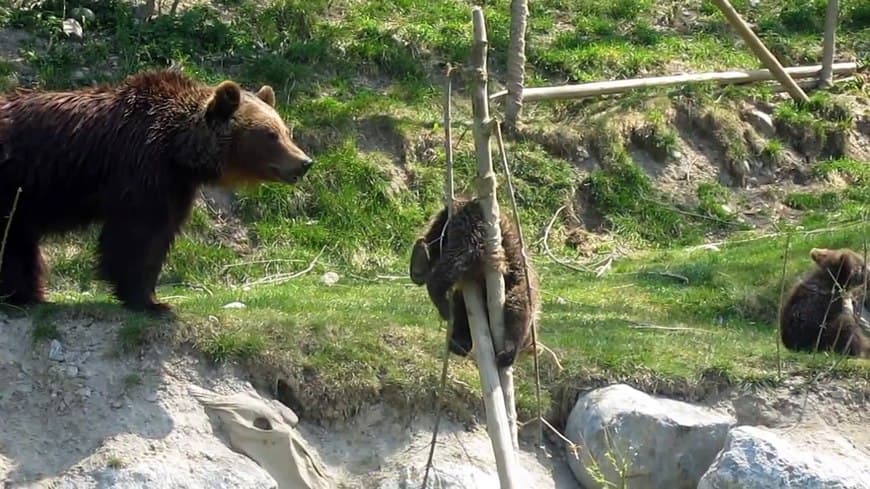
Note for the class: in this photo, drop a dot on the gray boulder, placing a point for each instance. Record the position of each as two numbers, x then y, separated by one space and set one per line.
626 435
758 458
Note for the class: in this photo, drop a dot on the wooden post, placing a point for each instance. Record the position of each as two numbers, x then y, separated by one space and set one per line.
826 78
594 89
487 338
760 50
516 64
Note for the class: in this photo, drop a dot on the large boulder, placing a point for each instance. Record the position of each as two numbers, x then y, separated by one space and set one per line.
625 435
758 458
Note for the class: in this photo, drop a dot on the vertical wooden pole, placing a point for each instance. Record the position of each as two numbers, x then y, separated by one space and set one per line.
760 50
516 64
826 77
486 339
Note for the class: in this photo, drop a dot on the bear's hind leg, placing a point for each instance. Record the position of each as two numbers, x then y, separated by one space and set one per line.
21 271
131 256
460 341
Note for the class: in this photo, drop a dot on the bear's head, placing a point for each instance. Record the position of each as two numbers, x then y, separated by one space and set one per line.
261 147
843 266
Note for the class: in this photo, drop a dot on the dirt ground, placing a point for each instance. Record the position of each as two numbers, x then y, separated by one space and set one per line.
77 415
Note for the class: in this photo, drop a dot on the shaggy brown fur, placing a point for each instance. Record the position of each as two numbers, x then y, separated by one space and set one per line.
461 257
819 309
132 158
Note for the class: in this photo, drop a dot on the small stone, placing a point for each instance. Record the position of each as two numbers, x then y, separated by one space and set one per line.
329 278
84 392
561 301
56 351
234 305
116 404
151 397
762 122
72 371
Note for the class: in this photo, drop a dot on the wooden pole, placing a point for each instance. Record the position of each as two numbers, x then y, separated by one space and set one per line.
594 89
826 78
516 64
487 338
758 47
496 417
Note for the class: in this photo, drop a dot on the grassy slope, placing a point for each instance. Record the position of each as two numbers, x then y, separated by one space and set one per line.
355 78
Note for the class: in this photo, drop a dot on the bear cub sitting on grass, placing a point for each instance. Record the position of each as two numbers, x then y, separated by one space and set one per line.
461 257
819 309
132 158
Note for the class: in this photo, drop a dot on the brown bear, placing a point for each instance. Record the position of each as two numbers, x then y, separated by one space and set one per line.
132 158
444 258
818 313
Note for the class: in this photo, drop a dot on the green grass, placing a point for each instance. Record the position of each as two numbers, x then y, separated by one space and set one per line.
357 339
360 84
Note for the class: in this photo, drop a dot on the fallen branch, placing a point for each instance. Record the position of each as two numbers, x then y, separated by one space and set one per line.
666 328
549 252
280 278
681 278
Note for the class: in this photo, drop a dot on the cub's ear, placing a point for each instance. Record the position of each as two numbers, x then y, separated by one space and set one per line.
266 94
226 99
420 262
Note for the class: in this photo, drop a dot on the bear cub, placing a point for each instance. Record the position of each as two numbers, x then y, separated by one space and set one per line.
819 309
443 258
130 157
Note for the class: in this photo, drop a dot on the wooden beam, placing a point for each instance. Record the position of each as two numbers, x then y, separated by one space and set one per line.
760 50
826 77
593 89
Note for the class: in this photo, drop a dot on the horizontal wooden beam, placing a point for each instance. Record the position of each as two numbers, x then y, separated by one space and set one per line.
621 86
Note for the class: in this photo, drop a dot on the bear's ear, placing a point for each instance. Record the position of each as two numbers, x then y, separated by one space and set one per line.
419 262
266 94
226 99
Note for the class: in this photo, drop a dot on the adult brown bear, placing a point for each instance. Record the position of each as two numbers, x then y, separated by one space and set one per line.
130 157
819 311
449 254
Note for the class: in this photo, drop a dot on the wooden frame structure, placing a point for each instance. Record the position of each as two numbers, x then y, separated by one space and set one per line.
516 94
485 318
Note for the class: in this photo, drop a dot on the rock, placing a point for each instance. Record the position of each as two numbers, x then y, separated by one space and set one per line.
761 121
760 458
329 278
55 351
235 305
656 442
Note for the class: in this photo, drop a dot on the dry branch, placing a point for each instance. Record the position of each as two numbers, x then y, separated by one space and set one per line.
760 50
280 278
8 226
507 379
594 89
448 202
